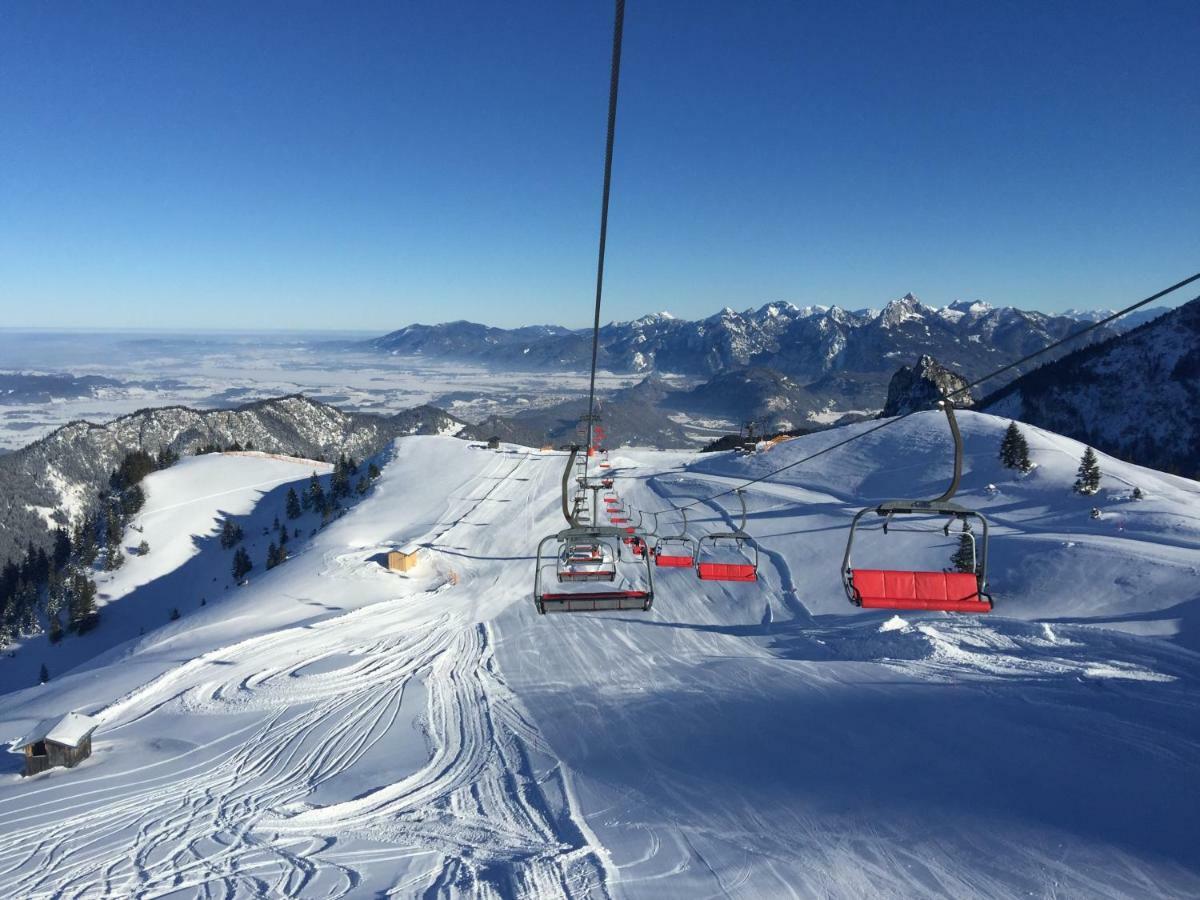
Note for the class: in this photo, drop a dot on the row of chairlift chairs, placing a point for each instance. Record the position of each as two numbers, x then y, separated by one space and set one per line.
611 566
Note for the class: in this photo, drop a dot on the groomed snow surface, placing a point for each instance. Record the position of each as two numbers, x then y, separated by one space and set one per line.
333 729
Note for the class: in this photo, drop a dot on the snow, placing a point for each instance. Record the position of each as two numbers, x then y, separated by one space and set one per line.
68 730
334 729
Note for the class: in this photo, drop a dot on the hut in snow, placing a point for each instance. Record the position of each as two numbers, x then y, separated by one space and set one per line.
403 559
65 741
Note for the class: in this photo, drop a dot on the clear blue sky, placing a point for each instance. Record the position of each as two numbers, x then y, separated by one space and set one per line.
367 165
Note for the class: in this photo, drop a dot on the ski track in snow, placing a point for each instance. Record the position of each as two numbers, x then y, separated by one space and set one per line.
230 819
606 755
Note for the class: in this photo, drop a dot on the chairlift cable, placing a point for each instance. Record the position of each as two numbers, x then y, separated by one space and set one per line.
614 80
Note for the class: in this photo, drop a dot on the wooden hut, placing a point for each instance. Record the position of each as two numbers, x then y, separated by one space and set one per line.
65 741
404 559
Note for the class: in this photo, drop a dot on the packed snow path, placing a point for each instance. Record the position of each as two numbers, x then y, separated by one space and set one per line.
337 730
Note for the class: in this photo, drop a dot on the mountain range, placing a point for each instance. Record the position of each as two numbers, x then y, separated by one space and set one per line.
1136 396
54 480
804 343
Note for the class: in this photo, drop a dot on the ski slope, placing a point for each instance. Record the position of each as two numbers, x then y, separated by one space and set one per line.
333 729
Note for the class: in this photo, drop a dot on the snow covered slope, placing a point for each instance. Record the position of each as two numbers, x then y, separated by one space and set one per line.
335 729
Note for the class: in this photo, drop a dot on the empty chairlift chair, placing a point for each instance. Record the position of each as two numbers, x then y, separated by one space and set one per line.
587 564
676 551
913 589
712 563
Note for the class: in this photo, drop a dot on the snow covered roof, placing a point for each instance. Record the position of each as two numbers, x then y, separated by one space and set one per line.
409 549
69 730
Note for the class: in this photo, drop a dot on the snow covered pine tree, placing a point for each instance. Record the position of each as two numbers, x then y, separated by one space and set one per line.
1014 450
1087 479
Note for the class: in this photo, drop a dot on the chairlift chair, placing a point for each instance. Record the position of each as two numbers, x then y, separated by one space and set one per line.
588 553
911 589
676 551
709 569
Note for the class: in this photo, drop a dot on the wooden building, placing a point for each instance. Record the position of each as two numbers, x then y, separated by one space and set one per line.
404 559
65 741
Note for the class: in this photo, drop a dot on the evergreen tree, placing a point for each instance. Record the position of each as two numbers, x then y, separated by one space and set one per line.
56 630
62 549
143 548
373 471
231 534
1014 450
361 487
964 557
1087 479
351 466
114 560
283 538
81 604
272 556
85 543
1137 493
133 498
293 504
43 675
241 564
174 613
316 495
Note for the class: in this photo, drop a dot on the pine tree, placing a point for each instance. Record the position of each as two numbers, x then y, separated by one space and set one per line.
1014 450
1087 479
62 549
81 605
361 487
283 538
241 564
964 557
56 630
372 471
1137 493
43 675
316 495
293 504
114 560
231 534
174 613
143 548
272 556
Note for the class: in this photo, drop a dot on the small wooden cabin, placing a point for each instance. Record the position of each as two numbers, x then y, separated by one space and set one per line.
404 559
66 742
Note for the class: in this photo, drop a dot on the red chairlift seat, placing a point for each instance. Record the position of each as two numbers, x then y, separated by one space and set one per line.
715 571
684 555
708 569
891 589
916 589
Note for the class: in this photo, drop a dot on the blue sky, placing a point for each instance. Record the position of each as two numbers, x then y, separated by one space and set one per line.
367 165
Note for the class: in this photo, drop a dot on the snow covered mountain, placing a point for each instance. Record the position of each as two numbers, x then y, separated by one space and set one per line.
805 343
51 481
336 730
1136 396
